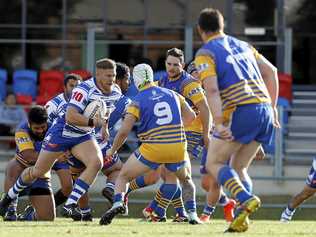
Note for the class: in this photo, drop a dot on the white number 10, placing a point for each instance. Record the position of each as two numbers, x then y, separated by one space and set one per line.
163 112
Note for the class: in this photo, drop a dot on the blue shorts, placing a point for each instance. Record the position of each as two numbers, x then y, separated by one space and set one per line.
60 166
43 184
195 144
74 162
252 122
311 178
55 142
108 162
173 167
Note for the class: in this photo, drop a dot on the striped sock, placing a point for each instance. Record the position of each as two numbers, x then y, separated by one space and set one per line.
79 189
208 209
85 210
154 203
18 187
167 191
110 185
137 183
177 202
230 180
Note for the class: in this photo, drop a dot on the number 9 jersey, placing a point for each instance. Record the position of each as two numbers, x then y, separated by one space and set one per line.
161 129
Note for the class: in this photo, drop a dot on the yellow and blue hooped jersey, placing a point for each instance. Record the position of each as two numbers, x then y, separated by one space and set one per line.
161 130
190 88
233 63
25 141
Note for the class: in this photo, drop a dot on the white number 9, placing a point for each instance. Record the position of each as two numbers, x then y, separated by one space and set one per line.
163 112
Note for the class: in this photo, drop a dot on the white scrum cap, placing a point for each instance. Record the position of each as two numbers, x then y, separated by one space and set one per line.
142 74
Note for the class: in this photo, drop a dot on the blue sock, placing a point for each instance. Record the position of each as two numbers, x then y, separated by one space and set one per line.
177 202
223 200
18 187
137 183
229 179
154 203
167 193
208 210
119 197
78 190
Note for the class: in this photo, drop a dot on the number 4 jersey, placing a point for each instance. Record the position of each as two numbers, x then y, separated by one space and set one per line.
161 130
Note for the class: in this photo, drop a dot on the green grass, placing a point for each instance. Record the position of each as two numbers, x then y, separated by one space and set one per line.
135 227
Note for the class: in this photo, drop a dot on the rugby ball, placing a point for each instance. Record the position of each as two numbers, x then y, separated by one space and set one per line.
94 108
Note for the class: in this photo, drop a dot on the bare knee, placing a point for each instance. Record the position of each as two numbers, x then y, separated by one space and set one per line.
152 177
96 165
205 183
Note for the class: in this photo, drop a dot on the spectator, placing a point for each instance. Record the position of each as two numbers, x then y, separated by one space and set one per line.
11 115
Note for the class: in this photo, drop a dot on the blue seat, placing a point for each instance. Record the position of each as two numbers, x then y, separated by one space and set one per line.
3 84
25 82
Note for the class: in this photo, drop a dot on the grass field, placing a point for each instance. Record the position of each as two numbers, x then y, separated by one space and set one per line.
136 227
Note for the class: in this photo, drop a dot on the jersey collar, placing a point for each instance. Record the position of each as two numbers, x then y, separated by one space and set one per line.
215 36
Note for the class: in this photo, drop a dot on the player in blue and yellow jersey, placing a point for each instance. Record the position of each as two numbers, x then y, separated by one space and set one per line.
162 115
75 132
240 84
177 79
29 137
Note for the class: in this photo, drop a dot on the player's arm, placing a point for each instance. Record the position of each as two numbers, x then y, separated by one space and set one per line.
129 120
51 109
26 150
187 113
195 93
208 76
76 106
202 106
270 77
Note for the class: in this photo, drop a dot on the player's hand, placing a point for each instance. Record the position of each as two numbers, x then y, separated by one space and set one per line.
99 121
260 155
276 118
109 153
224 132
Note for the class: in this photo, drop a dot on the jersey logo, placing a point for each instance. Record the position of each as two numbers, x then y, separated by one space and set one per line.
194 91
203 67
21 140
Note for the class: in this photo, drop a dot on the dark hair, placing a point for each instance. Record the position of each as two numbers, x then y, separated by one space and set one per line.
211 20
175 52
105 63
72 76
37 114
121 70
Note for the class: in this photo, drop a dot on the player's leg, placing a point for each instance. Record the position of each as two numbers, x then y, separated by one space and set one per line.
135 166
111 169
44 163
12 172
308 191
145 180
188 189
63 173
89 153
297 200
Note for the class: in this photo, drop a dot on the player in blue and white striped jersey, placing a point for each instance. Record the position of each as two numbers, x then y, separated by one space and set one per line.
73 131
55 107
